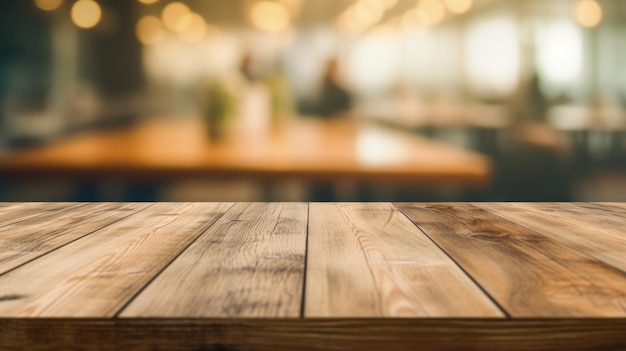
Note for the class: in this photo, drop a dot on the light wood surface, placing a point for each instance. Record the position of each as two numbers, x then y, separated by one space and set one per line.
584 227
34 237
249 264
318 276
621 206
369 260
17 212
97 275
526 272
303 149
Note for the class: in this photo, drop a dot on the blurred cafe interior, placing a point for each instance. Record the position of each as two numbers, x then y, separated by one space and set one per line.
313 100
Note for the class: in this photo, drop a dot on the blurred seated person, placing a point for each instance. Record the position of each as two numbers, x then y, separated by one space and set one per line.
334 99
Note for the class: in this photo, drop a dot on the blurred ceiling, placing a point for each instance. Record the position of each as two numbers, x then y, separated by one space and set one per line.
232 13
312 12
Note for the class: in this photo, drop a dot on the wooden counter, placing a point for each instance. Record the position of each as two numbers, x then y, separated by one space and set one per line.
304 149
313 276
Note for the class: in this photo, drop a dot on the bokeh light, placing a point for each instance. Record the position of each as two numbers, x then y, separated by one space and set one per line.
588 13
294 6
372 5
172 15
390 3
349 25
150 30
270 16
367 13
432 11
192 27
361 16
48 5
86 13
148 2
414 20
458 6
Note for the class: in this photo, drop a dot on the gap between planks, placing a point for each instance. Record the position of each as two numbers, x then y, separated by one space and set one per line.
117 314
570 224
54 236
367 260
485 291
250 263
528 273
94 276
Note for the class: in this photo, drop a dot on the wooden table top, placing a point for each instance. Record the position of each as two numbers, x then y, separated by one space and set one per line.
238 276
302 149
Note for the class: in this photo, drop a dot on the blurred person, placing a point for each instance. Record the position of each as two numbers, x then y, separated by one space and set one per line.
529 102
334 98
249 68
535 166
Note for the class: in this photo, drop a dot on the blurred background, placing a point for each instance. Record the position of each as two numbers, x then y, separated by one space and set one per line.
529 95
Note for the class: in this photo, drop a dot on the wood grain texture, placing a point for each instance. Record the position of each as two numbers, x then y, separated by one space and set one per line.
618 205
249 264
612 208
183 276
369 260
17 212
313 334
529 274
585 228
38 235
96 275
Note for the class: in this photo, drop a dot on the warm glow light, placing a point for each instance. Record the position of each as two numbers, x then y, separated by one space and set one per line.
374 62
389 3
173 13
493 57
192 28
86 13
48 5
560 53
373 5
362 15
148 2
414 20
458 6
347 24
270 16
376 148
150 30
432 11
294 6
366 14
588 13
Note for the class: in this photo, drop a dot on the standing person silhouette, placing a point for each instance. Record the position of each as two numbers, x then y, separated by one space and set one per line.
334 98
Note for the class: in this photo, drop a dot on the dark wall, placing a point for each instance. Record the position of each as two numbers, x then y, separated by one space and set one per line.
112 57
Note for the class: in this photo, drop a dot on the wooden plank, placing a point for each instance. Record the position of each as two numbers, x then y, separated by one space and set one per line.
581 209
618 205
29 239
599 234
17 212
613 208
369 260
529 274
96 275
269 334
249 264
